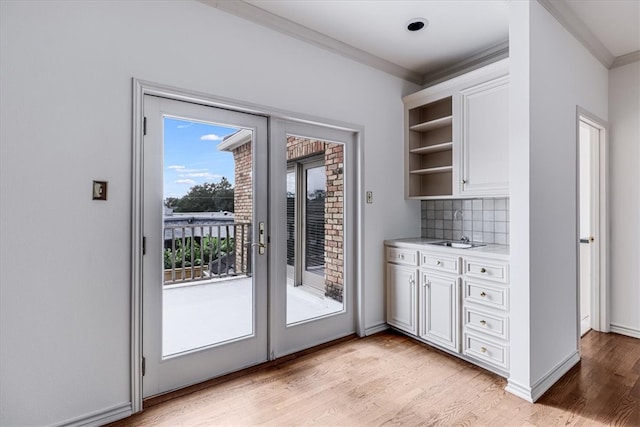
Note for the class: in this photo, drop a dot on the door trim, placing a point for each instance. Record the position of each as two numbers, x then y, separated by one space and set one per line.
600 293
140 88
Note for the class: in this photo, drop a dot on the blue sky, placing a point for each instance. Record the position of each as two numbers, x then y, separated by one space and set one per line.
191 155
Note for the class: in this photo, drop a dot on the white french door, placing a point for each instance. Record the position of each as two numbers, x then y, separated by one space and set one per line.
313 223
205 264
250 230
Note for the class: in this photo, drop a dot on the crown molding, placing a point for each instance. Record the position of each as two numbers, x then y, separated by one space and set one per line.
626 59
565 16
259 16
488 56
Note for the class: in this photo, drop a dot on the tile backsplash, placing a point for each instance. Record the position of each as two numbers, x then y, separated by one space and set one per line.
481 220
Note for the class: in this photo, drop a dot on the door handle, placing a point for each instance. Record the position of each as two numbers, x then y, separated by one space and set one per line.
261 239
589 239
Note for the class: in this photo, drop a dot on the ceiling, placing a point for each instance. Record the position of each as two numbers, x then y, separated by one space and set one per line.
616 23
459 33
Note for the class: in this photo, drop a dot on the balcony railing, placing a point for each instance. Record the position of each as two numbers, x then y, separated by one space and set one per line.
206 251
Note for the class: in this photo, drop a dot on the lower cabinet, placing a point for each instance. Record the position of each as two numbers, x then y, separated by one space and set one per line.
438 310
457 303
402 297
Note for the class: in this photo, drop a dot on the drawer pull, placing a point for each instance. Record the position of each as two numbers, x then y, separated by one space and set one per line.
483 322
483 294
483 270
483 349
438 262
411 281
401 256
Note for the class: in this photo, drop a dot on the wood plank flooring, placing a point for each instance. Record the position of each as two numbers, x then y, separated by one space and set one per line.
389 379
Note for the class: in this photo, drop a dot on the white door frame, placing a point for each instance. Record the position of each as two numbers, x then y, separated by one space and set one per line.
140 89
600 292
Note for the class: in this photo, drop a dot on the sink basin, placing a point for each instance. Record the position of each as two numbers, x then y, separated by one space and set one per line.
458 244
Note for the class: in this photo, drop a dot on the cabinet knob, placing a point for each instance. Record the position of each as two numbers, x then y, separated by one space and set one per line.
463 181
411 281
483 270
482 294
483 322
483 349
438 262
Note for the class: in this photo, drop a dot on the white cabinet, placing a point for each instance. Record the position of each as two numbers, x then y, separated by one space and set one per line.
456 136
455 301
402 290
484 156
438 310
485 312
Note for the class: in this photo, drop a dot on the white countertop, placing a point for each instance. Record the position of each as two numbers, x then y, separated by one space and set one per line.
490 250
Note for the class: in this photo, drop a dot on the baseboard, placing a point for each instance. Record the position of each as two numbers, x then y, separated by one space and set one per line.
545 383
625 330
101 417
519 390
375 329
531 394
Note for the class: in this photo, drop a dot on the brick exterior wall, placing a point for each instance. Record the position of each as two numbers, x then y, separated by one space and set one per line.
242 200
298 148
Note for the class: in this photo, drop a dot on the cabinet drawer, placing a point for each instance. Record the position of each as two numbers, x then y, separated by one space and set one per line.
440 263
493 271
402 256
478 320
487 295
487 351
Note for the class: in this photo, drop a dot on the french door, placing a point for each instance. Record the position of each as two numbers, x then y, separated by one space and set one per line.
249 240
313 232
204 224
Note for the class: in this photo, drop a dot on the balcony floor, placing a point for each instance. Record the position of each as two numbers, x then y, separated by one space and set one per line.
198 315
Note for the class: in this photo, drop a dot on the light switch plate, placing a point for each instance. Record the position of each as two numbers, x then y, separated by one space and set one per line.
369 197
99 190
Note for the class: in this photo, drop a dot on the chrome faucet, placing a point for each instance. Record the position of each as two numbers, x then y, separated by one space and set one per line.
459 215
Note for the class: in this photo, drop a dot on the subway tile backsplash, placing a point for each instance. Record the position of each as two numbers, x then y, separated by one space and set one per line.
481 220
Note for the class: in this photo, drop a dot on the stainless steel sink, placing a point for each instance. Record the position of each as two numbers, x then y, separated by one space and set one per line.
457 244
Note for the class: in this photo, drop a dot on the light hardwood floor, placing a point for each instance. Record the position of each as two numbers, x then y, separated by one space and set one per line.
389 379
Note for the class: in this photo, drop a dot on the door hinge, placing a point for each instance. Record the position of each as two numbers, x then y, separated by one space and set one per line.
144 245
144 366
144 126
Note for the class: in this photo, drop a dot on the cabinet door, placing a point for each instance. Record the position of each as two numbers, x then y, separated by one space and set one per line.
439 308
402 297
484 155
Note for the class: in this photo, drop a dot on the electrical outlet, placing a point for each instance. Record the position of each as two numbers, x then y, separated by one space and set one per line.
369 197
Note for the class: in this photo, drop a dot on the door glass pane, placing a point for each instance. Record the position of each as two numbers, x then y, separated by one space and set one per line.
207 289
315 227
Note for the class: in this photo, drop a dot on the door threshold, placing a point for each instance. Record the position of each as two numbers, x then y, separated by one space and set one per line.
174 394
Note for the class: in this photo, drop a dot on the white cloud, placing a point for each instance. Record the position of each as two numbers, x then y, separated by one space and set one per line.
185 125
176 167
205 175
211 137
185 181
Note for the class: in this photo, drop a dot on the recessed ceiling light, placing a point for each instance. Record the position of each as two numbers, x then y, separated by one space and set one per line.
416 24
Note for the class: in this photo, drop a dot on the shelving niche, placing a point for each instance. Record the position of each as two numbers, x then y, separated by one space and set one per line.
430 146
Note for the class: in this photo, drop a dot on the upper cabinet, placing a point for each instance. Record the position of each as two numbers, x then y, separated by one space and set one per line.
456 136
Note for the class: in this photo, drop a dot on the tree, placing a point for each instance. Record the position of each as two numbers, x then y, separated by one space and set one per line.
207 197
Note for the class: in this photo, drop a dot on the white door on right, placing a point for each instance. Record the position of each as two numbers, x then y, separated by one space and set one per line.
484 156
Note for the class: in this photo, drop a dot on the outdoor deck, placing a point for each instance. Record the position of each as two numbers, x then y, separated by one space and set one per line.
198 315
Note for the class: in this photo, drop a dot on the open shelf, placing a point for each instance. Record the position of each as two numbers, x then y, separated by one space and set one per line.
429 144
432 124
433 148
428 171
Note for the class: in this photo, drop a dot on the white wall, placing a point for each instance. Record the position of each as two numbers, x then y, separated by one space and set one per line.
66 120
562 76
624 207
